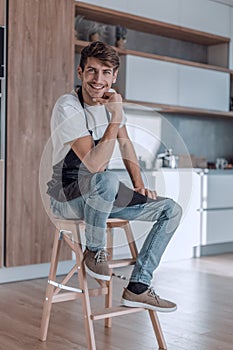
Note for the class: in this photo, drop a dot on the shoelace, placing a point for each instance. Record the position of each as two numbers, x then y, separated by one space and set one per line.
153 294
101 256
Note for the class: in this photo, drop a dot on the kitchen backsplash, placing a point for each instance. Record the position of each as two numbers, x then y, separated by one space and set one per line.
209 138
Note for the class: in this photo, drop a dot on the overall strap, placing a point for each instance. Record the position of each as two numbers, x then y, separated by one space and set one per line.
80 96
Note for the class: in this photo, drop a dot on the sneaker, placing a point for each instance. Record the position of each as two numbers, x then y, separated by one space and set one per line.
96 264
148 300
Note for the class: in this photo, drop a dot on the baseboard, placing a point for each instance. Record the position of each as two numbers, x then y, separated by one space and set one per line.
29 272
213 249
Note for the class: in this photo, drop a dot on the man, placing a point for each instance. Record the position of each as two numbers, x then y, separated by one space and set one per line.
85 126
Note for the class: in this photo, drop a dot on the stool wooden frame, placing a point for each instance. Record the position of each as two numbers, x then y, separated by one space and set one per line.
69 231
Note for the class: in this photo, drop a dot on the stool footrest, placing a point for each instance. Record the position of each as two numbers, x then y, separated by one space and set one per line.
121 263
115 311
65 297
75 295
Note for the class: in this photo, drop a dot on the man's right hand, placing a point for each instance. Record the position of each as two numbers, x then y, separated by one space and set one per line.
113 103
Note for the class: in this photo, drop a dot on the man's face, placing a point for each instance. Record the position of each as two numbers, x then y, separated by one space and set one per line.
97 78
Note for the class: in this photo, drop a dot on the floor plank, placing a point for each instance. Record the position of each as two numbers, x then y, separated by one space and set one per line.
202 288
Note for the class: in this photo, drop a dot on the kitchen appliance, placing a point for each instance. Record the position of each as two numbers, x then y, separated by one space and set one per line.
169 160
221 163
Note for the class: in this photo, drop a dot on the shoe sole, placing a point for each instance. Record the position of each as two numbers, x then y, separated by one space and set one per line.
146 306
96 275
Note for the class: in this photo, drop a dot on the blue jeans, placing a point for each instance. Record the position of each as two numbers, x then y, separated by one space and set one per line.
96 206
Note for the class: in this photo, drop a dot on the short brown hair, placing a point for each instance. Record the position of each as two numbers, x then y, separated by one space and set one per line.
103 52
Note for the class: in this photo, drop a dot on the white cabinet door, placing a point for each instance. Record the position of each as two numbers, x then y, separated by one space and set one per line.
206 15
183 187
204 88
160 10
217 226
149 80
218 190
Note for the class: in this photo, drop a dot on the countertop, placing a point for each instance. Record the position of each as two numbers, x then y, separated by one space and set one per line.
197 170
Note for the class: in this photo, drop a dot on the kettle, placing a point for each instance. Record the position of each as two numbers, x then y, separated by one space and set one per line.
169 160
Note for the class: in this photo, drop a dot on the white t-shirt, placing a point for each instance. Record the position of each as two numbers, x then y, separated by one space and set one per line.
70 121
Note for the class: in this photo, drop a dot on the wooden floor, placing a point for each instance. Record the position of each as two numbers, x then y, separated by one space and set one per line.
202 288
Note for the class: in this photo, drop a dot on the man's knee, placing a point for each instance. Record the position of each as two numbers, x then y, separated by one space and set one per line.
107 184
174 209
107 179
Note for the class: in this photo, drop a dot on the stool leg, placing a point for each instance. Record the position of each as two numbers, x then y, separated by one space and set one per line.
158 330
131 241
50 288
85 298
108 297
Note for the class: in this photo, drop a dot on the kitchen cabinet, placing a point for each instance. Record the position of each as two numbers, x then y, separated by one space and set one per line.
160 10
184 187
217 207
174 84
217 226
205 15
203 88
202 74
217 189
161 80
207 202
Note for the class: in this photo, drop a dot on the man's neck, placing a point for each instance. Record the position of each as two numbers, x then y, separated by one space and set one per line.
87 99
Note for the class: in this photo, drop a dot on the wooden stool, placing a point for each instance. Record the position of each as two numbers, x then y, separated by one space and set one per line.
69 231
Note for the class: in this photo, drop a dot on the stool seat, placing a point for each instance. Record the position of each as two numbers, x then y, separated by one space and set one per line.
69 231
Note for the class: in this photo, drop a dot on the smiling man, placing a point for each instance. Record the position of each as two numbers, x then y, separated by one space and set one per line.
85 126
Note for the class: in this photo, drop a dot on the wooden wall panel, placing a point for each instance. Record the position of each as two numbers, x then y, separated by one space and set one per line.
40 69
2 12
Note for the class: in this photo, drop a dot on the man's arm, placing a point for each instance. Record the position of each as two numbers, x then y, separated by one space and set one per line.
131 163
97 158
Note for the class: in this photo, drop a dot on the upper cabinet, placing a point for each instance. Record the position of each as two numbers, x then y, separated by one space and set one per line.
170 83
203 88
205 15
155 81
186 63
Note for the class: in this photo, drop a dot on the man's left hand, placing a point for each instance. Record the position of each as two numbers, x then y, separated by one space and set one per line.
146 192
